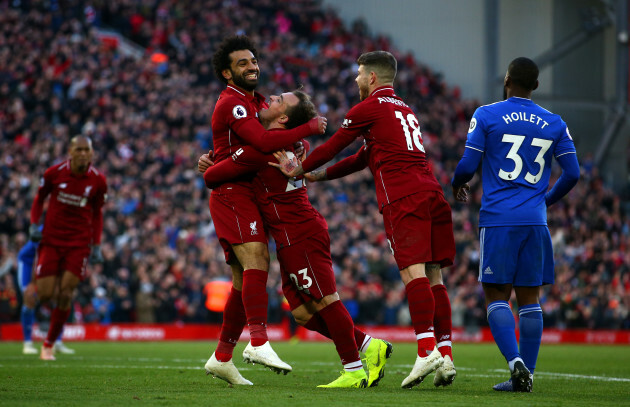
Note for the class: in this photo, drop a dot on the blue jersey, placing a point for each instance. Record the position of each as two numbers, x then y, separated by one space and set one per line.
518 138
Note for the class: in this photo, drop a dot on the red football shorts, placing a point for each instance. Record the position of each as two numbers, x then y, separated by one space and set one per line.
236 220
419 229
306 269
54 260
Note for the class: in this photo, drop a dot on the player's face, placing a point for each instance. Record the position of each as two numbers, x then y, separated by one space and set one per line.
244 70
81 154
278 106
363 82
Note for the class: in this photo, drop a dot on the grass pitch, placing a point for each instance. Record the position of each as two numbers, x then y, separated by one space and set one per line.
172 374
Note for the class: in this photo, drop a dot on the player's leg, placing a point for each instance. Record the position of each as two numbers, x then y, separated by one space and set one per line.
254 257
535 268
408 226
29 295
68 283
59 346
421 310
445 374
220 364
443 255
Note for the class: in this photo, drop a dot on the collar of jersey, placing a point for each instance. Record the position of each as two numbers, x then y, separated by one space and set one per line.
386 89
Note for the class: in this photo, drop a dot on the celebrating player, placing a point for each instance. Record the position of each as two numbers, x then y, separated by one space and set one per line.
516 139
417 218
303 245
237 222
71 234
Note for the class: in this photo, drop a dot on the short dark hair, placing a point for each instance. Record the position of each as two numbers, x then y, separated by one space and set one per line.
381 62
221 58
524 73
302 112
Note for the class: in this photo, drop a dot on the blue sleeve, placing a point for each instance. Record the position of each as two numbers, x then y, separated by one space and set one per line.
28 251
568 179
466 167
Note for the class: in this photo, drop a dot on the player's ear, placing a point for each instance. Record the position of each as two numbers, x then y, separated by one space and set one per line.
373 77
283 119
227 74
535 86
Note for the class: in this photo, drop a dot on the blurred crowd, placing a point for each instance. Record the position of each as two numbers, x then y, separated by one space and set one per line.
149 118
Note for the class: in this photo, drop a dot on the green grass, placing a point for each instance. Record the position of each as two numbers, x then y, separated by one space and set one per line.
171 374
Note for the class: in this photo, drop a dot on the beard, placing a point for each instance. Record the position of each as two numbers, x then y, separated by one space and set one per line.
247 84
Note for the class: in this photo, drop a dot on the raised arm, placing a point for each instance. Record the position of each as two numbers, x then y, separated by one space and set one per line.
253 133
349 165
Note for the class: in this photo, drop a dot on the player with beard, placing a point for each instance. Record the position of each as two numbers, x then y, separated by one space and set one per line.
417 218
303 245
236 218
72 231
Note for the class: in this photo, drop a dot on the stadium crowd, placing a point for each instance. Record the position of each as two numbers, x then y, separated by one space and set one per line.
149 119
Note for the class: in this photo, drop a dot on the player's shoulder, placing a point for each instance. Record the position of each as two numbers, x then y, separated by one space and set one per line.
96 173
57 169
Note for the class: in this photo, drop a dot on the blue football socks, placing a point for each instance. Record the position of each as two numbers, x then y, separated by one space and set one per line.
502 326
27 317
530 326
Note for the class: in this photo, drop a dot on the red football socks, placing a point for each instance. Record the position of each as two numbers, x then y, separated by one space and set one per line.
442 320
234 321
57 319
255 301
317 324
421 310
341 330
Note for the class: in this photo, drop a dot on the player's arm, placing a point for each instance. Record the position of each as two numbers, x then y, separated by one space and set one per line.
253 133
464 172
45 188
246 160
347 166
570 176
97 224
333 146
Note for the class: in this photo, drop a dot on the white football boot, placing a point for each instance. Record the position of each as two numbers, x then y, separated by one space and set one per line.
422 368
266 356
225 371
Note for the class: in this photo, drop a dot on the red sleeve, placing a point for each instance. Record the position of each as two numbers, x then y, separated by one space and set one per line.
253 133
349 165
307 146
327 151
97 220
357 121
45 188
245 161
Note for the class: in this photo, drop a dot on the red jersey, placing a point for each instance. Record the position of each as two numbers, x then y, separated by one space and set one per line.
235 124
74 216
393 148
283 203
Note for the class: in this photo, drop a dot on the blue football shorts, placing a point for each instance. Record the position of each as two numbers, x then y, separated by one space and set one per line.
517 255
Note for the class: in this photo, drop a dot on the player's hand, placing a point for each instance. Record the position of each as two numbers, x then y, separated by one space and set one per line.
34 233
317 175
96 257
318 125
299 151
205 162
461 192
290 167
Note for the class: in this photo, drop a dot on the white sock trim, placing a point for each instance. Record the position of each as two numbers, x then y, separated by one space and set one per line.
445 343
513 361
353 366
366 343
425 335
